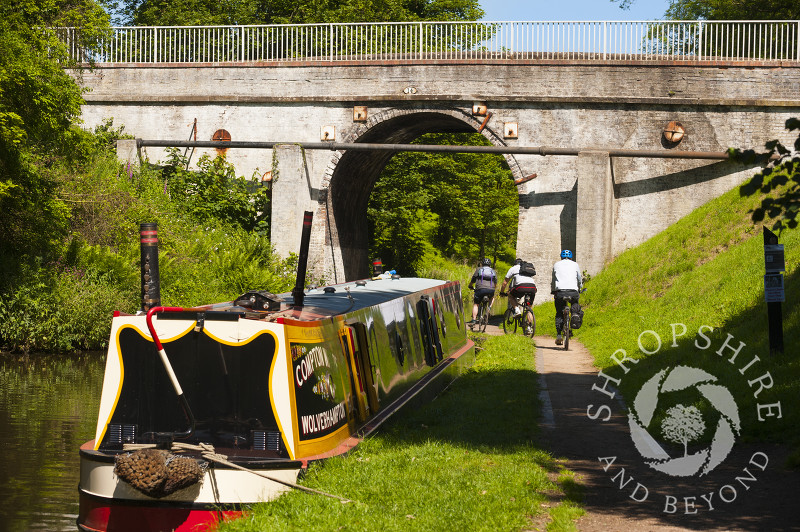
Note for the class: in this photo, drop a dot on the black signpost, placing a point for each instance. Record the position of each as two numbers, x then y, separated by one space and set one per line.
774 265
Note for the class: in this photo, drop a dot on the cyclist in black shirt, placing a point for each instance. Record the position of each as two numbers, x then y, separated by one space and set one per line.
484 282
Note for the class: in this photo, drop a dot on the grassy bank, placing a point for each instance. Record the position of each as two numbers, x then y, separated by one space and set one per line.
467 461
701 278
64 301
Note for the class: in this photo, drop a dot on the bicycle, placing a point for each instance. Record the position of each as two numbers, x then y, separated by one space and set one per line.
482 319
566 321
525 321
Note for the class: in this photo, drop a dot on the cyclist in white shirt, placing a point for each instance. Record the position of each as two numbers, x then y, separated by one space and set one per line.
519 285
566 287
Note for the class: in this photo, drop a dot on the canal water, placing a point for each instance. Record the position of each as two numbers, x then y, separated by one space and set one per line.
48 408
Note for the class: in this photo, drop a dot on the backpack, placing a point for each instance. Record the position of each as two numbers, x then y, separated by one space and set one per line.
486 278
526 269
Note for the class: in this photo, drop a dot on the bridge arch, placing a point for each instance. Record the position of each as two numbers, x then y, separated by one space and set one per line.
351 176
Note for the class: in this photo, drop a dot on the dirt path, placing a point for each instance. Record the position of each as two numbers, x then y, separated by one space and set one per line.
641 498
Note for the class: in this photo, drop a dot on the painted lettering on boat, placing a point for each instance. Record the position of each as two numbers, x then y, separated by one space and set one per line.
315 358
319 422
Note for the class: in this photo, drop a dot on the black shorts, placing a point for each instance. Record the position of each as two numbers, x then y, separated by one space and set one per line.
480 292
570 296
521 290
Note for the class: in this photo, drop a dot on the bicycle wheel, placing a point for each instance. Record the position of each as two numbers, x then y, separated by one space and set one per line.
565 329
484 317
509 322
528 321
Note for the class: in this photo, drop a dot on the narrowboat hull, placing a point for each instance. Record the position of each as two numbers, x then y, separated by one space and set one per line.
270 391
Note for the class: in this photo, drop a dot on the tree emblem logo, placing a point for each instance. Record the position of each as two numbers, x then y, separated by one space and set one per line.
683 424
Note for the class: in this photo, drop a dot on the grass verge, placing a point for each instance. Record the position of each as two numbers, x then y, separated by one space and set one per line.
466 461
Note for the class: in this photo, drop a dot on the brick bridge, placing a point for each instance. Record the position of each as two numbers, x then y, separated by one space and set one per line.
610 105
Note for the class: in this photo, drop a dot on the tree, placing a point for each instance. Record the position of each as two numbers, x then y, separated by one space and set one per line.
398 216
37 98
682 425
727 9
39 113
733 10
780 175
226 12
463 205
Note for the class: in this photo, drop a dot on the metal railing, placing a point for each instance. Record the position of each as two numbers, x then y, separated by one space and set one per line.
764 41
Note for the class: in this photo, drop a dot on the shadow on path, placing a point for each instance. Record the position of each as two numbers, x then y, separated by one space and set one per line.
628 495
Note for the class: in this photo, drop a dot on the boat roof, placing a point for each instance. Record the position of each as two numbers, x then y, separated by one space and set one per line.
337 299
364 293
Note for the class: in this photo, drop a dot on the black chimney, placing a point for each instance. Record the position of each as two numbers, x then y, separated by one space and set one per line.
151 287
298 293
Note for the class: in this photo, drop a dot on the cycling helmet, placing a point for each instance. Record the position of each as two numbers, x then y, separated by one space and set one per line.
518 261
566 254
486 262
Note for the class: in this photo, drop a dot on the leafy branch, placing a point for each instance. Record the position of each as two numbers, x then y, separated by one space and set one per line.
779 180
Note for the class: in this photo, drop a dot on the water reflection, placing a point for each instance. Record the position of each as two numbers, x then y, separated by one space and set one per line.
48 408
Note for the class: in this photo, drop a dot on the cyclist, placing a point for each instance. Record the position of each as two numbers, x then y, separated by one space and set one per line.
520 283
484 282
566 286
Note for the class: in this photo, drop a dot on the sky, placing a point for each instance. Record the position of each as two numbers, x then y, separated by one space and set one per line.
571 10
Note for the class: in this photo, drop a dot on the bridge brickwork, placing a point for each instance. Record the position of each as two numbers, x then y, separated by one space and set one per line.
597 204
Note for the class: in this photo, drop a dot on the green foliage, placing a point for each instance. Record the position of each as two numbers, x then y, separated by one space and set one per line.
215 192
203 258
67 303
32 218
237 12
219 263
37 106
782 173
102 262
461 205
727 9
99 195
733 10
68 311
36 14
401 225
92 267
36 95
39 110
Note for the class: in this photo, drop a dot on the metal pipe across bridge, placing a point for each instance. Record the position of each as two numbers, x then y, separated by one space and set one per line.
434 148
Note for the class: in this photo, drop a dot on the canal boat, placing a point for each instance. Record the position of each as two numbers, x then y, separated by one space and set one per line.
209 409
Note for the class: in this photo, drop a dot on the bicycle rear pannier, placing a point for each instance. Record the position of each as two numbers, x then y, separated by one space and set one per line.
526 269
576 320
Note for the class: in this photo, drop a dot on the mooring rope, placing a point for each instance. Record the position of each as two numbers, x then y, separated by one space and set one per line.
207 452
